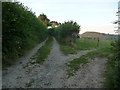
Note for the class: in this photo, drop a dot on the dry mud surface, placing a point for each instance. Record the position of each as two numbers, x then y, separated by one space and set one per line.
52 73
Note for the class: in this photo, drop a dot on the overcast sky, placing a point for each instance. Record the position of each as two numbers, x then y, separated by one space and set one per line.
92 15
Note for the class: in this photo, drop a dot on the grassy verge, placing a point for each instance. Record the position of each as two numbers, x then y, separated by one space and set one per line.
113 67
112 74
43 52
112 70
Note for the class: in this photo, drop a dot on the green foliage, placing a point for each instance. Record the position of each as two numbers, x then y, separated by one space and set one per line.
113 67
66 35
21 31
51 31
66 30
44 51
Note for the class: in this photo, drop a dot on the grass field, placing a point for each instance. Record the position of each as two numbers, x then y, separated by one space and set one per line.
66 49
83 44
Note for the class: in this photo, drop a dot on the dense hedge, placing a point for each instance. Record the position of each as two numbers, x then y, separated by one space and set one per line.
21 30
113 73
66 31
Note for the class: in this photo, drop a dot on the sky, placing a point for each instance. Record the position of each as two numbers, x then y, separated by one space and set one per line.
91 15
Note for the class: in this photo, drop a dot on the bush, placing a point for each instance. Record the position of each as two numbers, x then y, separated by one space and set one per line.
113 67
67 31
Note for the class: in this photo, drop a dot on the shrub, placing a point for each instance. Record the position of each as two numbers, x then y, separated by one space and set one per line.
113 67
67 31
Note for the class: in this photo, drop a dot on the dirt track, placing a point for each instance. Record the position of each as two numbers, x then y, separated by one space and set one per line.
52 74
89 76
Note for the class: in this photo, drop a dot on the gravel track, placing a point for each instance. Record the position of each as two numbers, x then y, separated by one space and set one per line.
16 75
52 73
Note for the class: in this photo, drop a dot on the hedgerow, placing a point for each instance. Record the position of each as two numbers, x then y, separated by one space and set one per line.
21 30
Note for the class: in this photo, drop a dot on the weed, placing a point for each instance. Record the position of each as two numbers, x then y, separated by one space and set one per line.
74 65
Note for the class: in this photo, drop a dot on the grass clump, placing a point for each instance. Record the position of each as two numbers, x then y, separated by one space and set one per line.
44 51
74 65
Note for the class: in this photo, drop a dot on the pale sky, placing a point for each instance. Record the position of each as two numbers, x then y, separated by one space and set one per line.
91 15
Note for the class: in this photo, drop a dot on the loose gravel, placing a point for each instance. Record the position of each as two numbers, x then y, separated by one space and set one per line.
52 73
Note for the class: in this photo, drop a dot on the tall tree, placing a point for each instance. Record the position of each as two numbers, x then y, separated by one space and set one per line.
44 19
